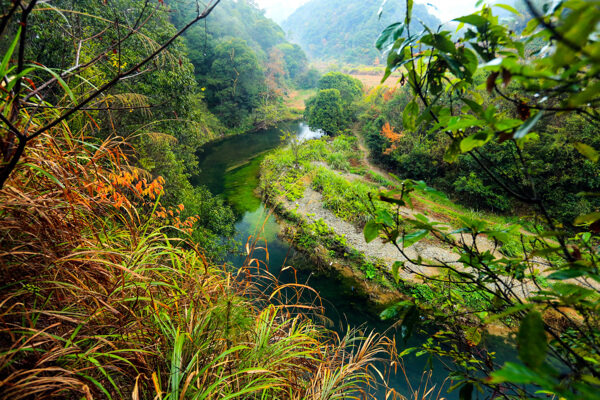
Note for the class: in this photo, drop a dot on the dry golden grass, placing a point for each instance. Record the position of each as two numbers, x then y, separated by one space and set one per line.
372 81
105 298
296 99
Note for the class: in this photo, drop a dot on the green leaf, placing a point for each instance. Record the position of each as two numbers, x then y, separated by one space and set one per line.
516 373
440 42
473 105
395 59
409 8
371 231
421 185
409 116
392 200
61 82
566 274
453 151
9 53
528 125
384 217
45 173
508 8
473 19
532 341
473 335
471 142
585 96
547 251
587 151
390 34
571 293
412 238
463 122
16 78
587 219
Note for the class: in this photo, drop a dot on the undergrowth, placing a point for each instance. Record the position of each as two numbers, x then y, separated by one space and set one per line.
105 295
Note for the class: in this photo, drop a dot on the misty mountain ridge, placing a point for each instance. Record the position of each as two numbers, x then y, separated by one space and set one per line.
346 30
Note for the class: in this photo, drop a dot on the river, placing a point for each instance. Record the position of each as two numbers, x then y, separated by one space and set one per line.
230 169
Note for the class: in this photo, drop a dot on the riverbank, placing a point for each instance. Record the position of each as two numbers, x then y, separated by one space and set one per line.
349 293
324 206
323 193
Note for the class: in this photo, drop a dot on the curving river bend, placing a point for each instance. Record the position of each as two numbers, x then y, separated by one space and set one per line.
230 168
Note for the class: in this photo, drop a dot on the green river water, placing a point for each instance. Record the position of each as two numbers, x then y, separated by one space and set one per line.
230 168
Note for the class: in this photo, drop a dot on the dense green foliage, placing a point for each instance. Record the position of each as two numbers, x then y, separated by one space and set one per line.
350 88
161 111
235 82
520 130
558 170
346 30
233 54
332 108
326 111
288 172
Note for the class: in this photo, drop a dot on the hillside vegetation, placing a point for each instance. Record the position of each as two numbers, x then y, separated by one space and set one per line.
111 288
346 30
503 116
243 63
463 197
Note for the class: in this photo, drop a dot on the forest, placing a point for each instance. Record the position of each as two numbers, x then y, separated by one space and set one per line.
346 30
362 203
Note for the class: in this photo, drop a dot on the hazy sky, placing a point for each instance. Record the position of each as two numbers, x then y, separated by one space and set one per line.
446 9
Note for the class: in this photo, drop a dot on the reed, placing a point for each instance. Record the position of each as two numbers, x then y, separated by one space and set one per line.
104 297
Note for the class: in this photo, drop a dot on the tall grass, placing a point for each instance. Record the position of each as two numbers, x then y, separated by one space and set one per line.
104 298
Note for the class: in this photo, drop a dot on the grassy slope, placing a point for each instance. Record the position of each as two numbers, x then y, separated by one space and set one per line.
106 296
340 171
296 99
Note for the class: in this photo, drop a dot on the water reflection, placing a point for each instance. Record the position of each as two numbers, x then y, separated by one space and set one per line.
305 133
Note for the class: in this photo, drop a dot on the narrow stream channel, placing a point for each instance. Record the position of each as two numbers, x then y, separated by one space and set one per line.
230 169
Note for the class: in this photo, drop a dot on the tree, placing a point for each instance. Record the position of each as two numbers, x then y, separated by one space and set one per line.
326 111
236 81
332 109
391 136
295 60
554 273
350 88
275 80
17 130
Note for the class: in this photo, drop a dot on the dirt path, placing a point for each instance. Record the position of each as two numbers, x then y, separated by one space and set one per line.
373 168
483 244
311 208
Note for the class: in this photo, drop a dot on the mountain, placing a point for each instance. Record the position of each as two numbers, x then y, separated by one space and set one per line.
279 10
346 30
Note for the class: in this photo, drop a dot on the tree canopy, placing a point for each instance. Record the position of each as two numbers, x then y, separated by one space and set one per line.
332 109
326 111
